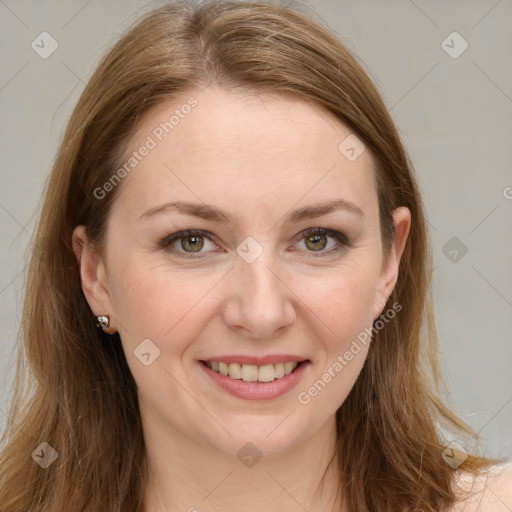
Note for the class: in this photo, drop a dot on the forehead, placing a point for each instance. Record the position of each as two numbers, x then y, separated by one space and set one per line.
232 148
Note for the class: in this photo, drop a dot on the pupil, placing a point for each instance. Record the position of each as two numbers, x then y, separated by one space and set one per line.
193 242
315 239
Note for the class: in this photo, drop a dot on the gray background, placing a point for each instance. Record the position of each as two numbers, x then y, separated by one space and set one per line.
454 115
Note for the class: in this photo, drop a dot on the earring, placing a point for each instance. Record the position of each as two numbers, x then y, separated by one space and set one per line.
102 321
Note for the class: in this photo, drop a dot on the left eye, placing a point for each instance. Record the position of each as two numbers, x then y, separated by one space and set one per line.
193 241
316 239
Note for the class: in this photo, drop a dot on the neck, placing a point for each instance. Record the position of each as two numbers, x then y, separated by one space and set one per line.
186 476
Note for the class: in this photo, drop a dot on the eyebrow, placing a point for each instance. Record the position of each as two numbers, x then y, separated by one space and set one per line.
211 213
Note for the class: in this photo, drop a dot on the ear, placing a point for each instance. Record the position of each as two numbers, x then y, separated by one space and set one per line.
93 277
390 265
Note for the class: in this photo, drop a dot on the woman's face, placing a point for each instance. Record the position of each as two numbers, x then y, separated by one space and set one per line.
252 283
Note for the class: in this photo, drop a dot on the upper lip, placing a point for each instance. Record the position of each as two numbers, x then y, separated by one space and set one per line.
256 360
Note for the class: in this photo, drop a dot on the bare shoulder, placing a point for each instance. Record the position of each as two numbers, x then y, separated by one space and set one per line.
490 491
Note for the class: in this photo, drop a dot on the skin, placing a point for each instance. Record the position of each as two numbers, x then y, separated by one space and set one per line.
257 158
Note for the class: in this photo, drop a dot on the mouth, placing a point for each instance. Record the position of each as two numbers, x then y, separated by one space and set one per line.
255 382
254 373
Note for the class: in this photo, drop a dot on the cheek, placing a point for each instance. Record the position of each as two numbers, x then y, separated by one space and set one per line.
343 301
158 302
342 297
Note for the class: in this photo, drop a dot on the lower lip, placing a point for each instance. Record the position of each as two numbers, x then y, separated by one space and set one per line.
257 390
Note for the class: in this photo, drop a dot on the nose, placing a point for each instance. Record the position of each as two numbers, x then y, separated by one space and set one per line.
258 304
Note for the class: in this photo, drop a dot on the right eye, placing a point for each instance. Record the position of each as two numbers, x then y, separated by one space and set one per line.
190 241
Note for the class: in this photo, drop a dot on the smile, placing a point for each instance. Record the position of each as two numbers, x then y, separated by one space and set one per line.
252 372
255 382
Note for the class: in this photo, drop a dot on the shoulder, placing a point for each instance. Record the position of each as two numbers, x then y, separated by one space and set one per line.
489 491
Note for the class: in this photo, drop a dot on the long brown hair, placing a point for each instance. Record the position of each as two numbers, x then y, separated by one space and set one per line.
73 388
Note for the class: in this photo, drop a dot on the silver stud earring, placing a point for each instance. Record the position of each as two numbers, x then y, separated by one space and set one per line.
102 321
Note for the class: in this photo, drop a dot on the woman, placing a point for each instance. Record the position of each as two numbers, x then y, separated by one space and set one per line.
232 273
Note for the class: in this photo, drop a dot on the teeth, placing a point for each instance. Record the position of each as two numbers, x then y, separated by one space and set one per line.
266 373
249 372
252 372
235 371
288 367
279 370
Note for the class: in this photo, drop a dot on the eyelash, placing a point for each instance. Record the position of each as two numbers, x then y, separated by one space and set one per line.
167 241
